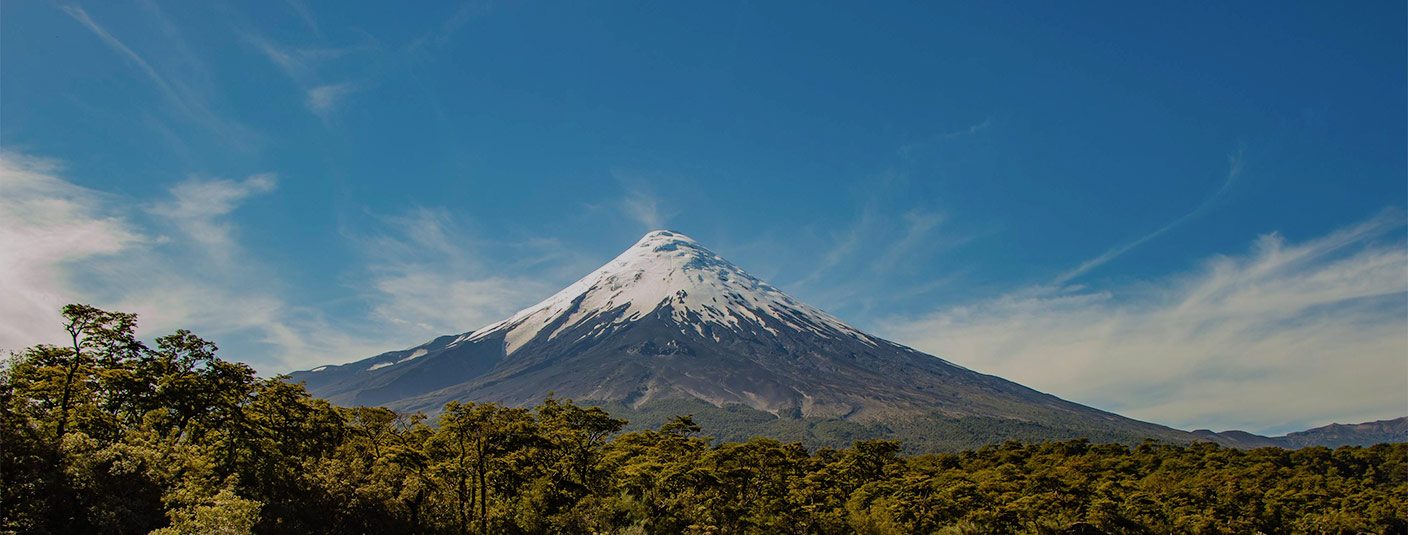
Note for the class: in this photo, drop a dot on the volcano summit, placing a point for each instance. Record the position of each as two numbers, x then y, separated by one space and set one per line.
669 325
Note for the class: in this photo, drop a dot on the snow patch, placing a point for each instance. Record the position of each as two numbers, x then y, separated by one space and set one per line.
414 355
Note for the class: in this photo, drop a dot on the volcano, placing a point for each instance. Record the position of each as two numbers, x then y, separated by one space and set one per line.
669 323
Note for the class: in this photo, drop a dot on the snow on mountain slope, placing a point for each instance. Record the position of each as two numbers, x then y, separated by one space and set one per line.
670 270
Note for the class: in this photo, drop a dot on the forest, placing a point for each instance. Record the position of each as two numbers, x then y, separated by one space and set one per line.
112 435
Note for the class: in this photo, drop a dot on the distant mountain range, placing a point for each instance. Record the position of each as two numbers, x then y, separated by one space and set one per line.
668 327
1332 436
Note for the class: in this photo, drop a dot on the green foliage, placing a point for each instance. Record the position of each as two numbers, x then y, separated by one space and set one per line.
226 514
108 435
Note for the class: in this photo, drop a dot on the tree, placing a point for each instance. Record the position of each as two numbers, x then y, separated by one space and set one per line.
110 338
471 443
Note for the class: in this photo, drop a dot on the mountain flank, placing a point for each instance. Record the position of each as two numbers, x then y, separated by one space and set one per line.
669 327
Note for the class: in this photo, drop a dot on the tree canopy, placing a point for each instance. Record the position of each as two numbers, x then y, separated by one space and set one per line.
110 435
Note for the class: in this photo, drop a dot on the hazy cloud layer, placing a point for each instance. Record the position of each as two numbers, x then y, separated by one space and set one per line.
1286 336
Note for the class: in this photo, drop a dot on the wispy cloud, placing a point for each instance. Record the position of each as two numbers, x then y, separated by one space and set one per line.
918 225
909 149
889 232
182 92
1234 169
845 242
301 66
430 276
972 129
641 202
322 100
190 64
198 207
305 14
137 60
467 11
874 259
644 209
1286 336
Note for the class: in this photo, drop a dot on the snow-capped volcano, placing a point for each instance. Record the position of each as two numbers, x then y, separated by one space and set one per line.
670 320
666 272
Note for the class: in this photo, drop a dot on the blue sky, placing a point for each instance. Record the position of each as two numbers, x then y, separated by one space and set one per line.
1193 216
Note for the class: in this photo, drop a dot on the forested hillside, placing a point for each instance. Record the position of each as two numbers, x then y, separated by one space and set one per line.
110 435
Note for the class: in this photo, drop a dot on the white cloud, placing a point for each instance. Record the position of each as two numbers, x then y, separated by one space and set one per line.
1286 336
63 244
46 223
198 208
187 268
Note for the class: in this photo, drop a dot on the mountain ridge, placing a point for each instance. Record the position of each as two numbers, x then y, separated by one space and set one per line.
1331 436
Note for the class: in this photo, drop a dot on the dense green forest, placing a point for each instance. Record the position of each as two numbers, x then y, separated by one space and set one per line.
111 435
